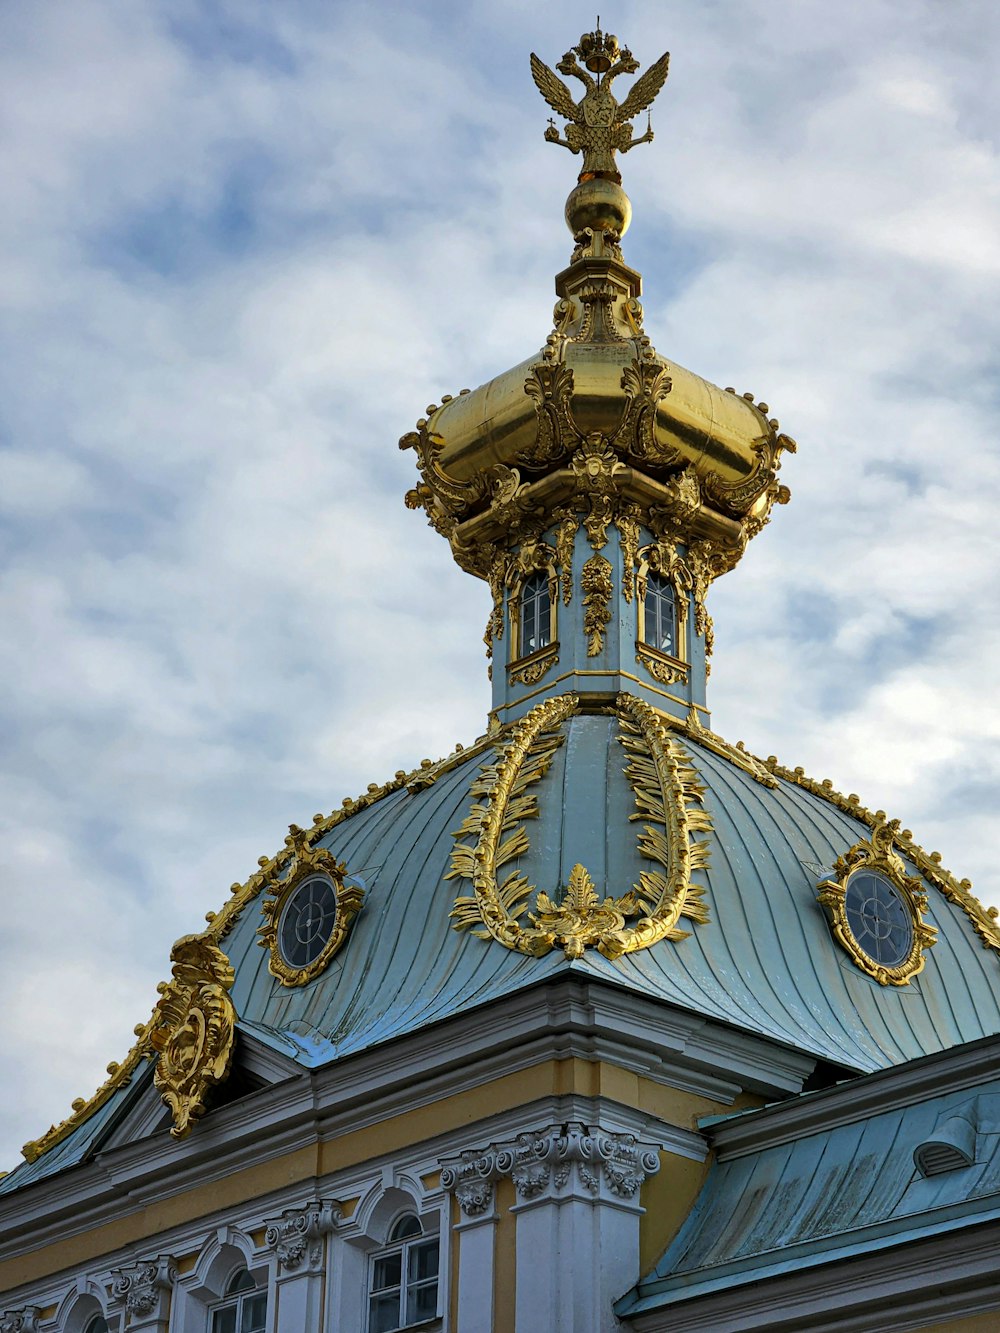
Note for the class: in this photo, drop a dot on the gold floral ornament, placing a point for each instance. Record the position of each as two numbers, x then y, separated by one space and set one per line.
193 1029
597 590
668 798
876 908
314 889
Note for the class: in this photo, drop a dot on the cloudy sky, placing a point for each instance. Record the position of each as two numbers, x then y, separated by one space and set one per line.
245 243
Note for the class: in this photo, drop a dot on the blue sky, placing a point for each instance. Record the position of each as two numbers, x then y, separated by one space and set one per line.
245 245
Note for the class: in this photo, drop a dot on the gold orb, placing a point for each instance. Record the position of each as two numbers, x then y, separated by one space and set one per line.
600 205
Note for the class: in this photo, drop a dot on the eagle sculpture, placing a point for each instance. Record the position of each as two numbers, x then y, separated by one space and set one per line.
599 126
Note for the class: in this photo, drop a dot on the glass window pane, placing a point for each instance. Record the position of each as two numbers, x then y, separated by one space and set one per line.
422 1261
240 1281
421 1303
254 1313
224 1320
406 1226
387 1272
660 614
383 1315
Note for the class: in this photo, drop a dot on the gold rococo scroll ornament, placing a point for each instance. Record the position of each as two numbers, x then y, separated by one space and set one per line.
308 864
906 900
668 798
193 1029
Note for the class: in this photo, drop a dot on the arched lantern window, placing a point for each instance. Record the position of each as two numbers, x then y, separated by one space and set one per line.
660 615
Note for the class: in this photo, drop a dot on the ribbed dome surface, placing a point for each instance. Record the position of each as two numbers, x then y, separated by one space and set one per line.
765 960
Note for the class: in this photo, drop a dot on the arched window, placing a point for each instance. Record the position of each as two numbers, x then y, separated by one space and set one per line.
244 1309
535 628
404 1278
660 615
97 1325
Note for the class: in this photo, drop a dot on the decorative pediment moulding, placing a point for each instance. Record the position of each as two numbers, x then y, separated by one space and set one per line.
552 1164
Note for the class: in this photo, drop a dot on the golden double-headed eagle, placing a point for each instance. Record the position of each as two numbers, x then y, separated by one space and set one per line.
599 126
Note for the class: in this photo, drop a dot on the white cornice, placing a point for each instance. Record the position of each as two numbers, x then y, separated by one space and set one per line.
561 1019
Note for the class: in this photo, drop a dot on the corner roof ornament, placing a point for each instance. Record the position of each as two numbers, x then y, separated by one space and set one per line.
599 126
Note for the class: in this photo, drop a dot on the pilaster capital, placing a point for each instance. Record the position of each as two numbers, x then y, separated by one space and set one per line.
142 1287
22 1320
296 1236
550 1164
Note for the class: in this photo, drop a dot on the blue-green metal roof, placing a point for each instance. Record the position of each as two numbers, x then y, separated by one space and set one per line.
765 961
836 1192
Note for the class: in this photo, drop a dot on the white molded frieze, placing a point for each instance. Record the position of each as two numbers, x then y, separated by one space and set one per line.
296 1237
550 1163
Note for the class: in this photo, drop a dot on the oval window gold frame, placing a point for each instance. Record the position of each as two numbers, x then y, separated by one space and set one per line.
878 856
308 863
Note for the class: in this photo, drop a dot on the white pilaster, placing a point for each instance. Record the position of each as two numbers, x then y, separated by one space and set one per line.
297 1240
577 1237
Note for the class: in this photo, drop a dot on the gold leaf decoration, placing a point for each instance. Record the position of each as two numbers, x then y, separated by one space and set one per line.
878 856
193 1029
668 797
597 590
308 862
958 891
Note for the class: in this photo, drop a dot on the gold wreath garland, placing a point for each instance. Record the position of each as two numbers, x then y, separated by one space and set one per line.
667 793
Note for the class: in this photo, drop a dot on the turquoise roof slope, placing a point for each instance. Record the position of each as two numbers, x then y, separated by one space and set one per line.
833 1179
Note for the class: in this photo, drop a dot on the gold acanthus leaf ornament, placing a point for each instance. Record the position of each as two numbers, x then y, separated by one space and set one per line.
597 590
669 798
581 918
193 1029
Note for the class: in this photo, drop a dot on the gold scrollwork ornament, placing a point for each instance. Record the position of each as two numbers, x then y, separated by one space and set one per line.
878 856
193 1029
307 863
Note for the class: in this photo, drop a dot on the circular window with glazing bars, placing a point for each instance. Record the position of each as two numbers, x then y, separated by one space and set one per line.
876 909
308 913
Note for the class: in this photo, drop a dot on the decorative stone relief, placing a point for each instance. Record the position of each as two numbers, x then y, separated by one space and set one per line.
142 1287
551 1163
296 1237
24 1320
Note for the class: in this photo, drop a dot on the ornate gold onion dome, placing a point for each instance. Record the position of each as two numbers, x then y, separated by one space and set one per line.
695 463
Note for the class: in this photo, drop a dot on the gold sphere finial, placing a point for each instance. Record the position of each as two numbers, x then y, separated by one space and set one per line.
598 205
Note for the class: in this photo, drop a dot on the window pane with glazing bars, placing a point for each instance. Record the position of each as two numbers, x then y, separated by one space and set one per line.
404 1282
535 613
660 613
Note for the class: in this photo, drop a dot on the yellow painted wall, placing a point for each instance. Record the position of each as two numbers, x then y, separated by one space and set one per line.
667 1198
975 1323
